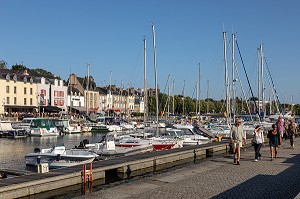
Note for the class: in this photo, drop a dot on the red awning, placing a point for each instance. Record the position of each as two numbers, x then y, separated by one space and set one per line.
94 109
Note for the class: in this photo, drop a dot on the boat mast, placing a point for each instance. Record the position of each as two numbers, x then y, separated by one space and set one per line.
168 101
156 83
183 98
226 79
262 82
258 81
173 105
207 106
233 78
198 91
87 89
145 86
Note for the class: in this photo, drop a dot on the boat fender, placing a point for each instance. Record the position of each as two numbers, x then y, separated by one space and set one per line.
37 150
58 157
38 160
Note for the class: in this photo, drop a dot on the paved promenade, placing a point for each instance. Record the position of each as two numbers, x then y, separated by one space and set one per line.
218 178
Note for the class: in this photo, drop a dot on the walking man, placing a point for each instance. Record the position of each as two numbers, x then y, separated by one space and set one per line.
292 130
238 137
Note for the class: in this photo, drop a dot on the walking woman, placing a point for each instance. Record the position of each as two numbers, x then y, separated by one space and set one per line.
292 130
258 140
274 141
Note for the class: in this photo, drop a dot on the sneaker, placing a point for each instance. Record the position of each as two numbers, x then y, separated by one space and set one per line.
255 160
238 163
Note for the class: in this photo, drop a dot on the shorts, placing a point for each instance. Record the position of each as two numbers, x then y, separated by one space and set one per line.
237 144
281 133
292 137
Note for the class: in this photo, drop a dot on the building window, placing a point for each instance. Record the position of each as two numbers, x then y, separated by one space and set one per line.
15 100
30 101
55 93
43 92
25 101
55 102
31 91
15 90
7 89
7 100
25 91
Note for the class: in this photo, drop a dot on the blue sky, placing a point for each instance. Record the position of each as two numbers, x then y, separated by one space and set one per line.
63 36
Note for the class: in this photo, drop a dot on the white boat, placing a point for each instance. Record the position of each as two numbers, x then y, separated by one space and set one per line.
158 143
59 156
188 137
220 130
43 127
188 130
24 124
107 148
57 164
5 125
65 127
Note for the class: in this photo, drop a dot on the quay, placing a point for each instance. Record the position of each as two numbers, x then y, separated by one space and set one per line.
123 167
217 177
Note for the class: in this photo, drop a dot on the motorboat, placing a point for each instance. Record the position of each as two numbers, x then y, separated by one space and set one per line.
58 157
188 137
107 148
24 124
64 126
158 143
43 127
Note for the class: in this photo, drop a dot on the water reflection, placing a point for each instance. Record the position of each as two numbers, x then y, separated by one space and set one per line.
12 151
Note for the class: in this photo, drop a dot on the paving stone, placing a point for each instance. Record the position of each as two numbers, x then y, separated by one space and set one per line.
218 177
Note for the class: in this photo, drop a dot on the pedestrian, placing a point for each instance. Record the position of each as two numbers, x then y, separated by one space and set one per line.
258 140
238 136
280 125
274 139
292 130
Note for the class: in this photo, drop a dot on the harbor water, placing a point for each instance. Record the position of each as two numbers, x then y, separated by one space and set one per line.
13 151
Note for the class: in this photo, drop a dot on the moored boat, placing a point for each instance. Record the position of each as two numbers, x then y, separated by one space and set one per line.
43 127
59 154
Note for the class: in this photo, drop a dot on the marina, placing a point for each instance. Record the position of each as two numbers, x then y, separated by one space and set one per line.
33 183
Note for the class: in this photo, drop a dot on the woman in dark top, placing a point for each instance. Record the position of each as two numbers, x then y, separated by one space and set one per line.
274 141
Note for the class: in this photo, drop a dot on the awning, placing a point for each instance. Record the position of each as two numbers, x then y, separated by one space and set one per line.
49 109
94 109
79 108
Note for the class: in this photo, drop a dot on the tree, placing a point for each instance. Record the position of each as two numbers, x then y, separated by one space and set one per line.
18 67
3 64
42 71
45 72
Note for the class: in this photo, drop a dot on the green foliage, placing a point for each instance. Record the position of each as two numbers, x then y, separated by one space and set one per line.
45 72
18 67
3 64
42 71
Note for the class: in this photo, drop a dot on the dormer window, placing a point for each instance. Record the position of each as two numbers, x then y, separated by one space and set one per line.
7 77
25 72
15 78
25 79
31 80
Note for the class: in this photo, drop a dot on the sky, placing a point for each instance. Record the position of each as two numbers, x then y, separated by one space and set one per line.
63 37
